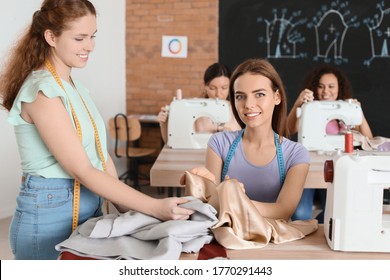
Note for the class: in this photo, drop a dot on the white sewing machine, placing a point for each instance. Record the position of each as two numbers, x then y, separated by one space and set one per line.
182 115
356 216
315 116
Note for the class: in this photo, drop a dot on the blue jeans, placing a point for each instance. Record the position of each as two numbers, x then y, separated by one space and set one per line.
43 216
304 209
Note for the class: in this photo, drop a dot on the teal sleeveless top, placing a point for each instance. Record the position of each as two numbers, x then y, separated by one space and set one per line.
36 159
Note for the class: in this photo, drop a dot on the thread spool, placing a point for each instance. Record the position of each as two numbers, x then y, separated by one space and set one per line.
348 142
179 94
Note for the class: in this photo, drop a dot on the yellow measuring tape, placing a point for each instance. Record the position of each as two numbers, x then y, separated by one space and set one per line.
76 186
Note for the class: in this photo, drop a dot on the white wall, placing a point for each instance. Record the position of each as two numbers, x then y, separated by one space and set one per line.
104 76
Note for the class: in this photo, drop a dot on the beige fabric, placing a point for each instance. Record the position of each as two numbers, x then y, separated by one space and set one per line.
241 226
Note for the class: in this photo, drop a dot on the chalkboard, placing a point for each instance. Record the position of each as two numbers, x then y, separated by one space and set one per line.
297 35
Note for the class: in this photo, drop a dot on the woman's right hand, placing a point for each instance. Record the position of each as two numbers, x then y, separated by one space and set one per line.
169 209
306 95
162 116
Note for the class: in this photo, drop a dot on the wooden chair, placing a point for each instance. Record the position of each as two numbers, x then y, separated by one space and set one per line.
127 131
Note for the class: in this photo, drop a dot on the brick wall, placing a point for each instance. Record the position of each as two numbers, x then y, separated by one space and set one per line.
152 80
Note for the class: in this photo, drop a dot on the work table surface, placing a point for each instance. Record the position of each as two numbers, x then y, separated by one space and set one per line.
312 247
171 164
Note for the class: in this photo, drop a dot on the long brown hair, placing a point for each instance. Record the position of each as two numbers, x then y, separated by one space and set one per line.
264 68
32 50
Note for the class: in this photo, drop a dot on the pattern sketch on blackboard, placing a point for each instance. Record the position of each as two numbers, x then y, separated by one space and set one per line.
281 36
331 26
298 35
379 30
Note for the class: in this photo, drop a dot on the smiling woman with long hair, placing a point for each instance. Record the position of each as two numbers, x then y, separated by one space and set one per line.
61 136
271 167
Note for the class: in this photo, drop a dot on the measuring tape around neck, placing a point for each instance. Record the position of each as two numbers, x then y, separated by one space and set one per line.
232 149
76 186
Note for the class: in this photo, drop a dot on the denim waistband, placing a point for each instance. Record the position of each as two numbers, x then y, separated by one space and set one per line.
33 181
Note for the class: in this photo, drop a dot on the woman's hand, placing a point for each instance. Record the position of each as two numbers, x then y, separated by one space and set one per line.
200 171
239 183
364 127
354 101
204 172
306 95
169 209
162 116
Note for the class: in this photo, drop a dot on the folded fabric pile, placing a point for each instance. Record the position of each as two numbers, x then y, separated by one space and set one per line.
134 235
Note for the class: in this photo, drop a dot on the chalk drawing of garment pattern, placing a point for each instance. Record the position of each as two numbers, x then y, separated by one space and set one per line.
279 44
330 34
380 38
379 35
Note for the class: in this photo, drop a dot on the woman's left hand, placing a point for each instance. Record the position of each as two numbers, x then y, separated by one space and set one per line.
355 101
239 183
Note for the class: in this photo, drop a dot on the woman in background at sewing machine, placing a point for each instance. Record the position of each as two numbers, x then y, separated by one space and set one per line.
322 83
271 167
326 83
216 85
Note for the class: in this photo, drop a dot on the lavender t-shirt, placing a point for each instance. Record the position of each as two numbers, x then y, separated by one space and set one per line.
262 183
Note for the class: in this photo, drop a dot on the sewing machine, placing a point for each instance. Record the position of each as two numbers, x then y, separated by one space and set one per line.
182 116
314 117
357 218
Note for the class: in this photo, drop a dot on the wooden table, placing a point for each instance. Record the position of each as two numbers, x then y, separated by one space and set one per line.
171 164
312 247
146 120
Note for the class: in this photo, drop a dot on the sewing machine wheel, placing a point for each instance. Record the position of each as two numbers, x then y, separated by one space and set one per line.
328 171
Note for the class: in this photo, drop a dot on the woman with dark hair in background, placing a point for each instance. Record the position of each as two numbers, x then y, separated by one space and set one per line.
322 83
216 85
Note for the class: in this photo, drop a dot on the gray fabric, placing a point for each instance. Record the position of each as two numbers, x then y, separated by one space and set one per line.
134 235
